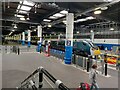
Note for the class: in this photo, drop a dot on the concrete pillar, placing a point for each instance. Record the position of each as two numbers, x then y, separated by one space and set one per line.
69 38
92 35
39 34
23 38
29 38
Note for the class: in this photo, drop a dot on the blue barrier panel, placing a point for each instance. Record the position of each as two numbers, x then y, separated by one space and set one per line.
23 42
68 54
29 43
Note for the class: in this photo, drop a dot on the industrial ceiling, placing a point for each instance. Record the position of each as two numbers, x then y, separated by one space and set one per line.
21 16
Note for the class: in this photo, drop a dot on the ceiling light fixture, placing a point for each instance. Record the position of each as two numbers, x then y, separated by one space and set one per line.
46 20
23 12
15 26
97 8
22 19
78 32
26 8
18 6
58 15
104 8
8 5
91 31
108 0
20 2
13 30
81 20
64 12
85 19
112 29
90 18
65 22
28 18
49 25
52 17
98 12
35 8
20 16
29 3
35 30
10 33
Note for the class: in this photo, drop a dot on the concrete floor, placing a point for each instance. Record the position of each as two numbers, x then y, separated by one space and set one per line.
16 67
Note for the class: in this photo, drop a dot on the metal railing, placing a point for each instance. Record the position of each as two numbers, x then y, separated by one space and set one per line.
28 81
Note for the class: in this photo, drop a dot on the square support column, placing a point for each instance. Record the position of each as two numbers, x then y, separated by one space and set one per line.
39 34
69 38
23 38
29 38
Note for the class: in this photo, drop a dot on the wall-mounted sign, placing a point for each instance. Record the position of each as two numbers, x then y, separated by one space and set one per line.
68 43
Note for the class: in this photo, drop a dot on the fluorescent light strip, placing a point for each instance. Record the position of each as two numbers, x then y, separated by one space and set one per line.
26 8
25 12
46 20
58 15
20 2
52 17
18 6
64 12
13 30
85 19
20 16
90 18
10 33
98 12
29 3
22 19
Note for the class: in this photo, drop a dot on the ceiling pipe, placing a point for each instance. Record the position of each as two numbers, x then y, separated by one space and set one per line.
87 11
18 21
103 5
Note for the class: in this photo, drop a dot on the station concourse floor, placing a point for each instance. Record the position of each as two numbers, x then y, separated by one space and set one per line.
15 68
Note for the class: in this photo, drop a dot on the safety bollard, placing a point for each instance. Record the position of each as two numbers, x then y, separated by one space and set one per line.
40 50
83 63
18 51
105 60
74 58
88 63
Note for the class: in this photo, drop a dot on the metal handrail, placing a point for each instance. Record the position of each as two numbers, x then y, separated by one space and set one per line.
42 71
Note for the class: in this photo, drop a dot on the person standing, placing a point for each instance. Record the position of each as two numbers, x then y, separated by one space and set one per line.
92 77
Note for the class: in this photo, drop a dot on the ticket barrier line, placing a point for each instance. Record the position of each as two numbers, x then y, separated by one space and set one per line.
29 82
84 62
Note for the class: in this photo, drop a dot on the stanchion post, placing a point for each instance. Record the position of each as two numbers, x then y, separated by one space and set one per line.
74 57
83 63
105 60
40 79
88 63
18 50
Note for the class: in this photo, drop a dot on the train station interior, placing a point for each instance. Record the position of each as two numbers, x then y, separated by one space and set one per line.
59 45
